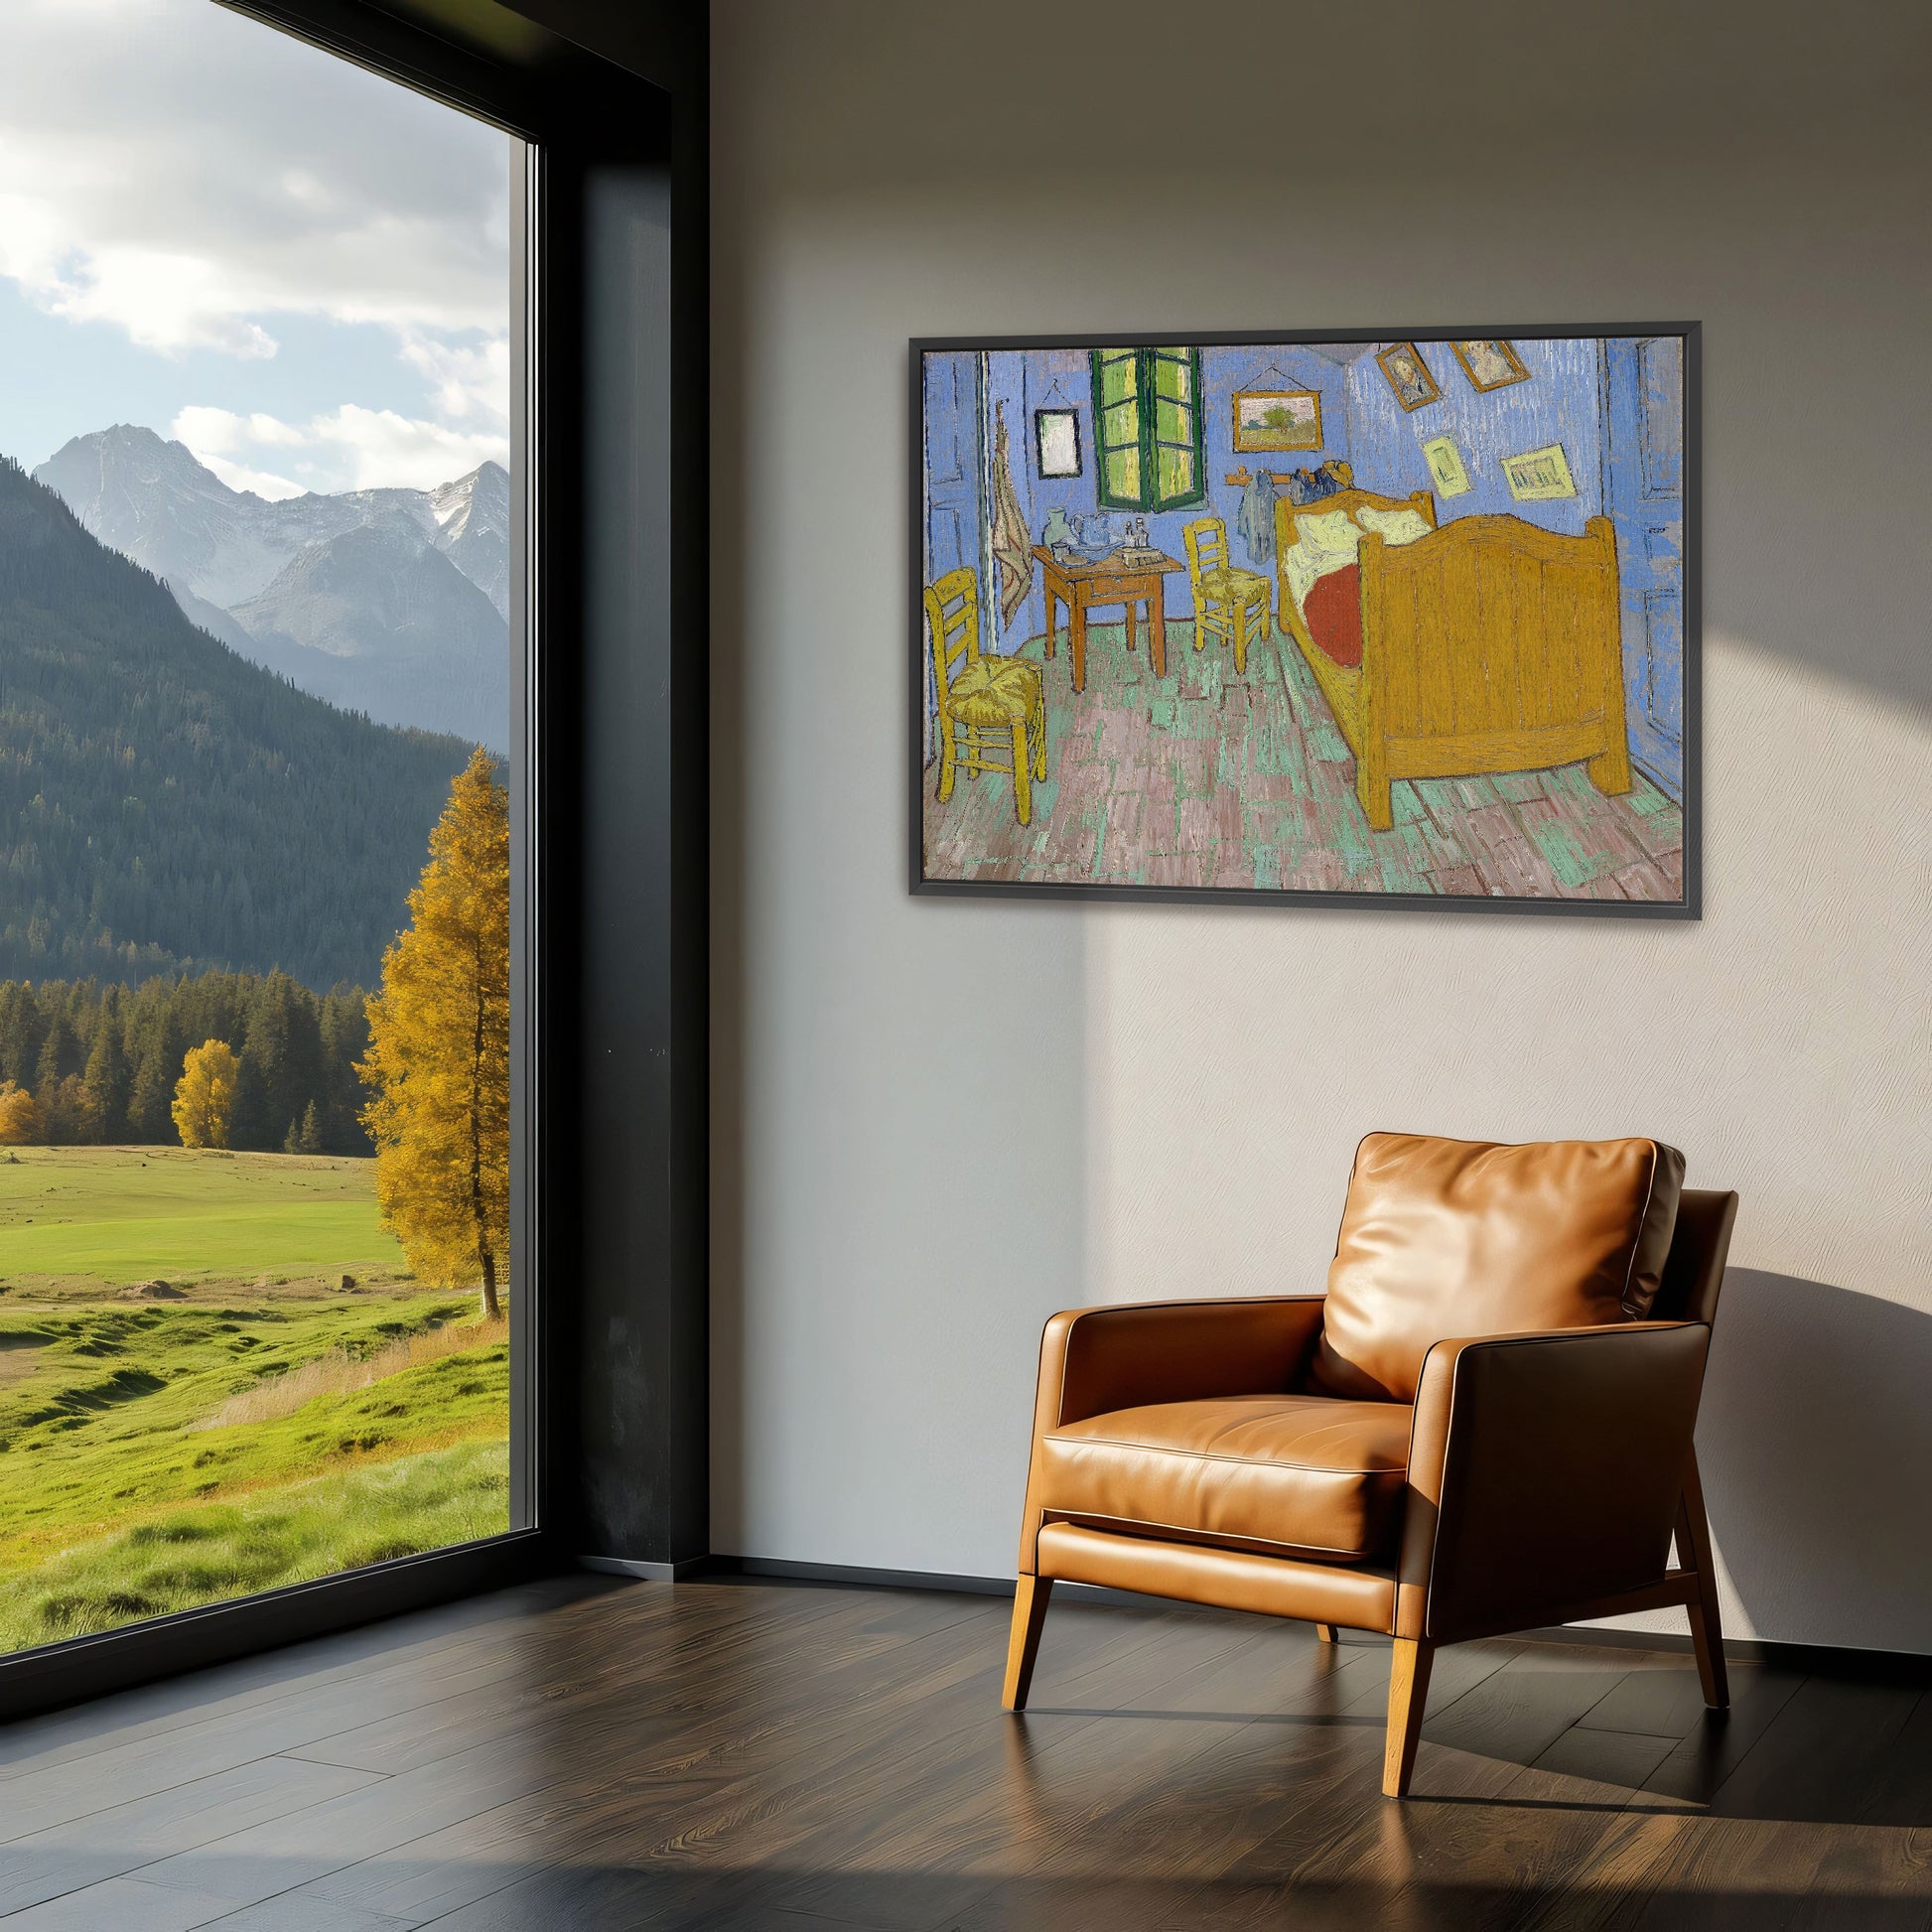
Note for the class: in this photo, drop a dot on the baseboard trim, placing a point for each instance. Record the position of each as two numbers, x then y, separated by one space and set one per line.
82 1668
1824 1660
650 1573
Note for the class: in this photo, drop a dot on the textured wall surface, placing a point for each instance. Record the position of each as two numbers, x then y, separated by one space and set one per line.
936 1122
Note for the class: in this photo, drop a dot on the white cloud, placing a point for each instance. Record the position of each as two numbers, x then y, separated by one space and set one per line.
467 379
346 448
223 174
198 181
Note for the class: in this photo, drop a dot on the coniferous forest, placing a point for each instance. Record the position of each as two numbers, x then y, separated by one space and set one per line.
168 808
100 1062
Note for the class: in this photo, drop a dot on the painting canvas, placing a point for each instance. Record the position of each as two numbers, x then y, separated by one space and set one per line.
1444 660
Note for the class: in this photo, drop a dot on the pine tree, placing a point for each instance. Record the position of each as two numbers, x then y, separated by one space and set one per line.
204 1097
309 1141
60 1052
105 1084
437 1063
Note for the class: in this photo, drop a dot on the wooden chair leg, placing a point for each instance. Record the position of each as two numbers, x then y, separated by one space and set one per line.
946 760
1693 1552
1022 1642
1408 1694
1325 1633
1022 789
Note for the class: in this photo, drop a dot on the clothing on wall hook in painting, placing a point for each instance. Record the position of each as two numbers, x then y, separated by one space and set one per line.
1255 520
1013 555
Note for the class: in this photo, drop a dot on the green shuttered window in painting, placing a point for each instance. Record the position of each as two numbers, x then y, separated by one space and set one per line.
1148 417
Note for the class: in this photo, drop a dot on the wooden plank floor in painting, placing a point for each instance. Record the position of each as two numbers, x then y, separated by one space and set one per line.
583 1753
1208 778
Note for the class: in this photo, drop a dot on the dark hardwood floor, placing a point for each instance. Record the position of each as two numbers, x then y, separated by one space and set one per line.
582 1753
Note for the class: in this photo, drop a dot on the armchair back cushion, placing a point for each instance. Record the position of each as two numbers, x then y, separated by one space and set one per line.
1445 1239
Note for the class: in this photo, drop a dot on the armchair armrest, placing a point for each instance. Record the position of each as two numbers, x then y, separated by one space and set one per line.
1543 1472
1093 1361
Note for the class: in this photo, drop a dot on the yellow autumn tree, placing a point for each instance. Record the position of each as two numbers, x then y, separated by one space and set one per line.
204 1094
439 1058
20 1116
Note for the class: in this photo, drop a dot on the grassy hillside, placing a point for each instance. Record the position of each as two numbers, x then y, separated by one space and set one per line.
265 1541
76 1219
268 1426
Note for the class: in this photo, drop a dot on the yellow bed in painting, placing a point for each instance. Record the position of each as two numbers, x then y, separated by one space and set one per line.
1489 644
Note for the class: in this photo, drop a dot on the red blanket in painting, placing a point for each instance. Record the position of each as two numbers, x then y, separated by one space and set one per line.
1333 610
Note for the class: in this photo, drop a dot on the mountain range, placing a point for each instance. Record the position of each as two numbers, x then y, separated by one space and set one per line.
167 806
390 601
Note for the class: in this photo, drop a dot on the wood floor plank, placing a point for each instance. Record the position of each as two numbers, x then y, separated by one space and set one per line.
488 1853
1817 1758
761 1755
123 1838
121 1905
1660 1696
32 1746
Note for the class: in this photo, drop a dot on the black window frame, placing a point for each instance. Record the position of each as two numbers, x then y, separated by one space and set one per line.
628 590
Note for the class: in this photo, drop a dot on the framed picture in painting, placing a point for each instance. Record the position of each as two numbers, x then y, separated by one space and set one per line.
1415 388
1056 442
1277 419
1161 680
1446 469
1492 365
1539 476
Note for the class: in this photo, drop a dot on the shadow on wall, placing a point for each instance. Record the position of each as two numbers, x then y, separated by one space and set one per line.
1816 1441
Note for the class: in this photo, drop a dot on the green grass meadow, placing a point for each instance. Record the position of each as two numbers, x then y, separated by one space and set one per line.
153 1455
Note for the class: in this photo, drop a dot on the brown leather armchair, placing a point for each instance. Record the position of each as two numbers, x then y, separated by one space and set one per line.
1485 1425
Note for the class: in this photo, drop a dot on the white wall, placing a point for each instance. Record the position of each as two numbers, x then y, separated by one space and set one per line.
936 1122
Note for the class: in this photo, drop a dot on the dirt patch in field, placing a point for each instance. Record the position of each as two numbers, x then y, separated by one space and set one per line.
18 1356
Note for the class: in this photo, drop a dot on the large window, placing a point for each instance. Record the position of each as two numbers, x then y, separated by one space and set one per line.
1147 408
260 631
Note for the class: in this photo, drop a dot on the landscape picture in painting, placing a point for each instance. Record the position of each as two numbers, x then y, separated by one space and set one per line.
1437 652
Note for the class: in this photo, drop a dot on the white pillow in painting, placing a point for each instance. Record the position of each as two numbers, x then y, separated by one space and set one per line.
1394 527
1322 543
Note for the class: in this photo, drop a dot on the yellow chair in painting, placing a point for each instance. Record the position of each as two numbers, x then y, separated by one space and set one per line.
1228 603
992 709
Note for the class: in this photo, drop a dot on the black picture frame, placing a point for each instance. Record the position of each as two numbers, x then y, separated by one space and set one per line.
1690 906
1071 418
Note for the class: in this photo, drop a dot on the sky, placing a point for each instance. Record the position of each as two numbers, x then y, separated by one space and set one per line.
297 268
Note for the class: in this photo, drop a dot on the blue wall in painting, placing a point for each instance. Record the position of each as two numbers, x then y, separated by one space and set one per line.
1559 403
1362 423
1019 382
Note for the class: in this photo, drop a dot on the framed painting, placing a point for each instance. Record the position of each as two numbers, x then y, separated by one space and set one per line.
1491 365
1152 677
1277 419
1415 388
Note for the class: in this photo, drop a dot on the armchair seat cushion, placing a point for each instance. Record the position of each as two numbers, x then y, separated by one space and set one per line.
1288 1474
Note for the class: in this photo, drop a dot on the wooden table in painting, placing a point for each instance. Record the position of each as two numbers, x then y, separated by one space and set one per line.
1080 586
